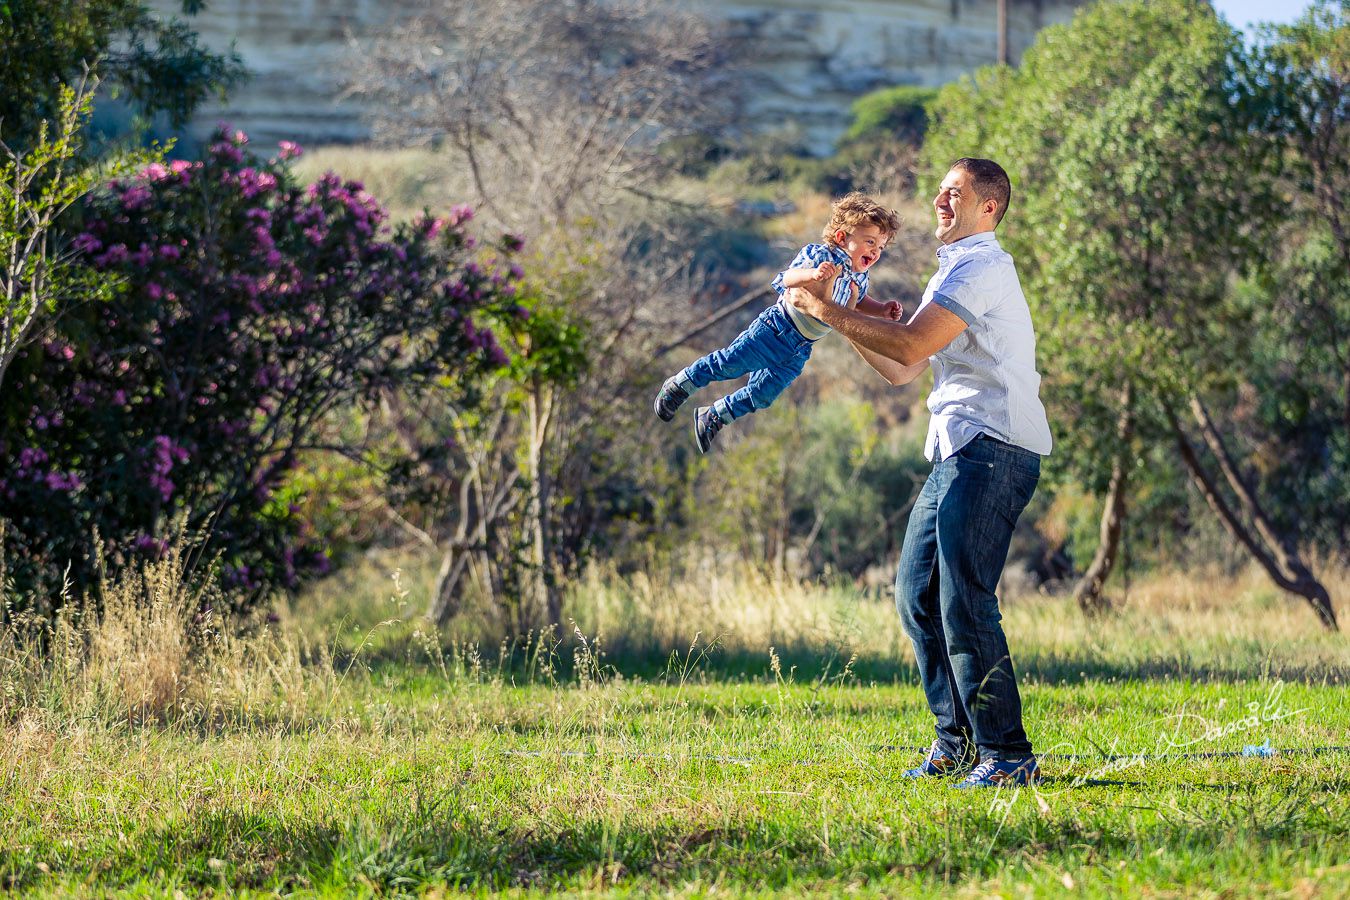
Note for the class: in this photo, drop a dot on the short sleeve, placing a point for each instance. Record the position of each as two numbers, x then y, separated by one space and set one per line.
969 288
808 257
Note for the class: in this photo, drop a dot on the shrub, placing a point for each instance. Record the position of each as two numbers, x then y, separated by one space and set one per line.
893 113
250 308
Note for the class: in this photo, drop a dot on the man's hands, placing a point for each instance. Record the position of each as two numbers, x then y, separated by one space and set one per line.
808 301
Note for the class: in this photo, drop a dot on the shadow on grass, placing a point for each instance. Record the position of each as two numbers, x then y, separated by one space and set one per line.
802 662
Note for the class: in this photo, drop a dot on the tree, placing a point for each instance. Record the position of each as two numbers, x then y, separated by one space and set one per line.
158 65
1295 421
39 272
557 107
1143 182
557 112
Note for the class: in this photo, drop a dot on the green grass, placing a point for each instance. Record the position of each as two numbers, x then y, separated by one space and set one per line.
725 773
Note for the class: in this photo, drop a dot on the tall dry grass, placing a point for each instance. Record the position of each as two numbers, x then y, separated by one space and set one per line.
1199 623
156 649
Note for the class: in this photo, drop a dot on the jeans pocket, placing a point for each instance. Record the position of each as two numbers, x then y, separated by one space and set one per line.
978 452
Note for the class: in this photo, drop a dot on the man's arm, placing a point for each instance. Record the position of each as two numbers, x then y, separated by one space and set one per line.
891 370
907 344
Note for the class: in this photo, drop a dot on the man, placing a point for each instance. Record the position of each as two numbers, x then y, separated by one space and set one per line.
986 438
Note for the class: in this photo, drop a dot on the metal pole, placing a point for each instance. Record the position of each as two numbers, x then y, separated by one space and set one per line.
1003 33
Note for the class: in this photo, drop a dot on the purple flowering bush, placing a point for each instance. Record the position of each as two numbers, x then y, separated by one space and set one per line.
250 307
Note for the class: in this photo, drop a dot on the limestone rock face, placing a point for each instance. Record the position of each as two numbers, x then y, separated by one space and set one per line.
809 59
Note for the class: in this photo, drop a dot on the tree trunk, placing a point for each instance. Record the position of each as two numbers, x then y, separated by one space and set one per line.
1090 592
546 595
1280 561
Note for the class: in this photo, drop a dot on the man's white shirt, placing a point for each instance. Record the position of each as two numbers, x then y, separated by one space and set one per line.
985 380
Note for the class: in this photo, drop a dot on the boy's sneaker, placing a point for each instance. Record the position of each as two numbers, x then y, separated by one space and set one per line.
1002 772
937 764
670 398
706 425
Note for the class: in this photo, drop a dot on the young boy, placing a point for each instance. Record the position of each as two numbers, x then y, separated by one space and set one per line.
776 346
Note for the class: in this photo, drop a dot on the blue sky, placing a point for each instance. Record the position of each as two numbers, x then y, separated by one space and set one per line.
1242 13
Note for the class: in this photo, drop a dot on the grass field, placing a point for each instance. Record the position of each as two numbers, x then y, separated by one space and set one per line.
393 763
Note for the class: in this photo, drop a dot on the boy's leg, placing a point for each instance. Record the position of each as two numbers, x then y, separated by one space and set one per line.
763 388
760 346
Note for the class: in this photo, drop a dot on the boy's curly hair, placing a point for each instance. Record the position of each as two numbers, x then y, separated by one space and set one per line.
855 209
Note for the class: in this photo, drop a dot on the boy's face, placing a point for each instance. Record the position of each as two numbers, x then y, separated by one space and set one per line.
863 245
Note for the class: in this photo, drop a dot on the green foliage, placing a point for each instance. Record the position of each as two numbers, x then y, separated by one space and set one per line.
1141 182
897 113
42 273
158 65
820 487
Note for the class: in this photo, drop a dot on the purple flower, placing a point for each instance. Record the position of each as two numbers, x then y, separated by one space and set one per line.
136 197
167 454
290 150
461 214
150 546
227 152
58 481
252 182
87 243
115 254
142 257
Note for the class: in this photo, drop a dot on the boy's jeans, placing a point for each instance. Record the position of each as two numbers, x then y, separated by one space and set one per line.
955 548
771 349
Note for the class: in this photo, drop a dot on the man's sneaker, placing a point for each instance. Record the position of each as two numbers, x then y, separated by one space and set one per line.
1002 772
706 425
669 399
937 764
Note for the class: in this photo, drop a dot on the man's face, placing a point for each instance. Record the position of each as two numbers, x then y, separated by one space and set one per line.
863 245
959 209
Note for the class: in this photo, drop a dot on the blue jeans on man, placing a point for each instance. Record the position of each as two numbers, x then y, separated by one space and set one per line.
955 548
771 351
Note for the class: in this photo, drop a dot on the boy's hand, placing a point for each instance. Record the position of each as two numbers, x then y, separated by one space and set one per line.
892 310
826 271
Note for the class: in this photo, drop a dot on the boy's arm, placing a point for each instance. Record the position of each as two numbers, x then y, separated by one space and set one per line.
887 309
801 277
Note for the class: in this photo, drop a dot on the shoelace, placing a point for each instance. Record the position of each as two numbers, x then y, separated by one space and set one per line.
983 770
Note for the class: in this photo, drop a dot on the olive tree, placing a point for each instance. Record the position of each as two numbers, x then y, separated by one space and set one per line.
1143 183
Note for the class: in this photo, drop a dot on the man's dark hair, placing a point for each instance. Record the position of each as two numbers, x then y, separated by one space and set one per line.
989 180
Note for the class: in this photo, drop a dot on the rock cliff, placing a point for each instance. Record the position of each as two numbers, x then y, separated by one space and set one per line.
809 58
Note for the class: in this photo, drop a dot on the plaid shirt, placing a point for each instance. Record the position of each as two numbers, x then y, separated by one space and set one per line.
809 257
813 255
